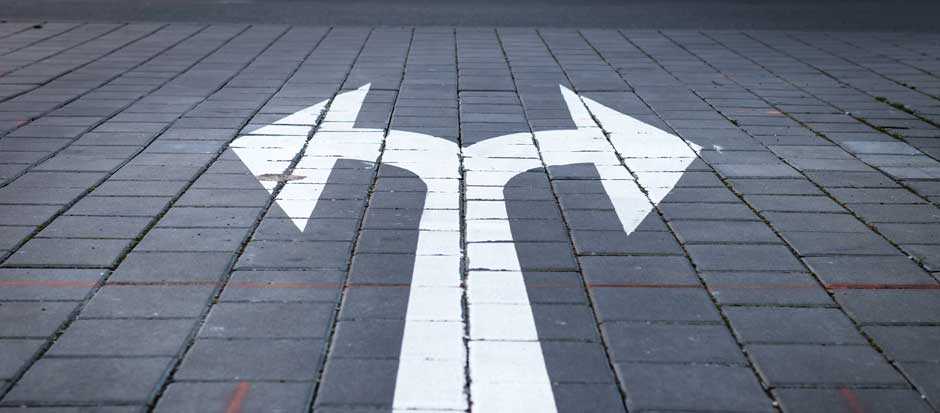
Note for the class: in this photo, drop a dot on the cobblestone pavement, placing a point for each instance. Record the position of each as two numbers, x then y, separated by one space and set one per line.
241 218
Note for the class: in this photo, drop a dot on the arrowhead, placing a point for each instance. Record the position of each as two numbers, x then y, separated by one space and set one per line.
269 151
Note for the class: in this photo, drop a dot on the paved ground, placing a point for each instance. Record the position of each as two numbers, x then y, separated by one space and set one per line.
865 15
267 218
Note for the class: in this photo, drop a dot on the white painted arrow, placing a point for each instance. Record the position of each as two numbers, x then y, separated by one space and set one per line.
507 368
506 365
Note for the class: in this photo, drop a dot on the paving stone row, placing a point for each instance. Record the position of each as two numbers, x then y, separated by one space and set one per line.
273 342
148 268
36 142
527 98
907 81
105 153
417 91
198 65
650 301
810 244
19 35
57 57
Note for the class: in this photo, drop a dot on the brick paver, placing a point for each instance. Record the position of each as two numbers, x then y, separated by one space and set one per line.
790 263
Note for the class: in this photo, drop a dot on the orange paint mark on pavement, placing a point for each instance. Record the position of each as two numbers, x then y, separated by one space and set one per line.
235 403
884 287
851 400
644 286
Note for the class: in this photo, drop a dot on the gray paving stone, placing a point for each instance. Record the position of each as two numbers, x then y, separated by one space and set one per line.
911 233
228 198
148 301
103 380
34 283
374 303
587 396
723 231
897 213
890 306
381 269
190 397
112 338
209 217
907 343
351 382
756 171
803 364
793 203
770 288
653 304
792 325
268 320
815 222
284 286
875 196
306 255
591 220
555 287
16 354
844 179
78 164
46 196
576 362
328 229
868 270
637 270
172 266
387 241
72 409
924 377
927 255
565 322
33 319
743 257
139 188
851 400
249 360
95 227
821 243
671 343
708 194
375 338
867 147
774 187
739 212
69 252
616 243
31 215
704 387
58 179
114 206
546 256
192 240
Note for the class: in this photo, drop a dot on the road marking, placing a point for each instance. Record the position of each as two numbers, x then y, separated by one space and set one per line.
238 397
431 368
506 364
